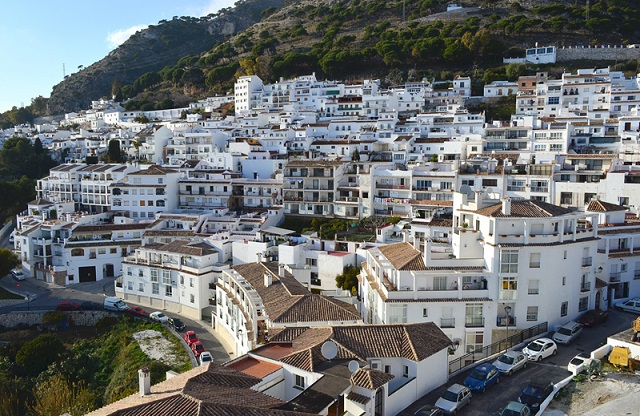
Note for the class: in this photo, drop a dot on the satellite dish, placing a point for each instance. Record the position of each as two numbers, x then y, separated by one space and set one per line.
329 350
465 189
488 189
353 366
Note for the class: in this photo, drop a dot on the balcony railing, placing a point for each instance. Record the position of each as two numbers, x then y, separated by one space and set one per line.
504 321
391 186
539 189
614 277
585 287
534 291
473 321
447 322
508 294
636 274
587 261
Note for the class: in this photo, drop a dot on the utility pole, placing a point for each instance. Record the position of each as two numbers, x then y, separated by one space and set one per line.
586 16
64 73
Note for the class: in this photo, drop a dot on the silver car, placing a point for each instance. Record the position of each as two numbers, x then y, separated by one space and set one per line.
454 399
511 361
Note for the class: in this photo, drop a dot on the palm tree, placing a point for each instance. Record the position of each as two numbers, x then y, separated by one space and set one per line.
137 143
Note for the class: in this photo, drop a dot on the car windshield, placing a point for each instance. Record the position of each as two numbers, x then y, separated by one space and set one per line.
506 359
177 322
478 375
532 391
160 315
450 396
199 347
564 331
192 336
119 304
577 361
206 358
534 346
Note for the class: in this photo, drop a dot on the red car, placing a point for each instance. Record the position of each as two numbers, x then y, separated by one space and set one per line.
190 337
65 305
197 348
137 310
593 317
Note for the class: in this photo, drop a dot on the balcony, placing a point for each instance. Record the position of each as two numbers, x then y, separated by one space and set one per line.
539 189
349 199
636 274
508 295
585 287
473 321
614 277
447 322
391 186
587 261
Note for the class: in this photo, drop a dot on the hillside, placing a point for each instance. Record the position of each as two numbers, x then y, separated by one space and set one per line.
151 50
391 40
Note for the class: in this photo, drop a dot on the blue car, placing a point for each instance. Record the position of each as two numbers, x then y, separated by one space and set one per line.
483 376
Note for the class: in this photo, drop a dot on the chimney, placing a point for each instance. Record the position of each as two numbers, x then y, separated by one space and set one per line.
506 206
267 279
144 381
281 270
427 250
259 256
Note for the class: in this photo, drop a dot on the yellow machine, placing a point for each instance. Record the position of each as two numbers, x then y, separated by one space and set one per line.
620 356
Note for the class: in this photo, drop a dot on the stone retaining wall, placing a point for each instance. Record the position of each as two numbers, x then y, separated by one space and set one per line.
80 318
619 52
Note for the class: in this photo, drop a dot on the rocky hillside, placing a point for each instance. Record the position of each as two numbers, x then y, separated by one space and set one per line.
151 50
395 40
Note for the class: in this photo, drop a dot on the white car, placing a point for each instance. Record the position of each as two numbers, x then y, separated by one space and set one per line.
540 348
159 316
205 357
631 305
578 363
454 399
17 274
567 332
511 361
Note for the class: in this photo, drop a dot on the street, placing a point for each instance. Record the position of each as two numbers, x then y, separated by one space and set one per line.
552 369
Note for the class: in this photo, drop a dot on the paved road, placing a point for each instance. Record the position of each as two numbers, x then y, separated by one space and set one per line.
44 296
551 369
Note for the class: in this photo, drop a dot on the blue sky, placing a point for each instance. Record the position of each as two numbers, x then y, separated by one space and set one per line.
38 36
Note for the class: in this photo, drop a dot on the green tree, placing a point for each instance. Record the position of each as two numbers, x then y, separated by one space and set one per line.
348 280
36 355
8 260
114 154
56 396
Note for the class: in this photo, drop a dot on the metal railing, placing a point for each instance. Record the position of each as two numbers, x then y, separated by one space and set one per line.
473 321
587 261
517 338
585 287
447 322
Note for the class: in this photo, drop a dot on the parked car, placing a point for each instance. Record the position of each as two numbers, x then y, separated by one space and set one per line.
177 324
159 316
113 303
515 409
65 305
17 274
205 357
483 376
190 337
534 394
593 317
197 348
539 349
578 363
90 306
567 332
454 399
428 410
631 305
511 361
137 310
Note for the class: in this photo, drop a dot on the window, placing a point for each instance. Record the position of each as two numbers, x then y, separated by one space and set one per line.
473 315
154 275
166 277
387 369
155 288
168 290
311 262
405 371
398 314
564 280
440 283
191 282
475 341
299 382
140 287
181 279
77 252
509 261
192 298
130 285
129 273
508 288
564 308
489 182
534 287
425 312
532 313
553 100
534 260
583 304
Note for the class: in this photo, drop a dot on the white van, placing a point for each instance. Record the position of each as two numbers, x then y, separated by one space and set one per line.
114 304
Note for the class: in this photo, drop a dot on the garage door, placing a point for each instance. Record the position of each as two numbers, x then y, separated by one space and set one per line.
88 274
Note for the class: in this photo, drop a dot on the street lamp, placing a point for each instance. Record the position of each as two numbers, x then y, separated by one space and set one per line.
507 310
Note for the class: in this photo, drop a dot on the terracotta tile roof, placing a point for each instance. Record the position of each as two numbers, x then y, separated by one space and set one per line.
525 209
287 301
358 398
370 379
173 405
109 227
154 170
403 256
254 367
601 206
175 233
431 202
